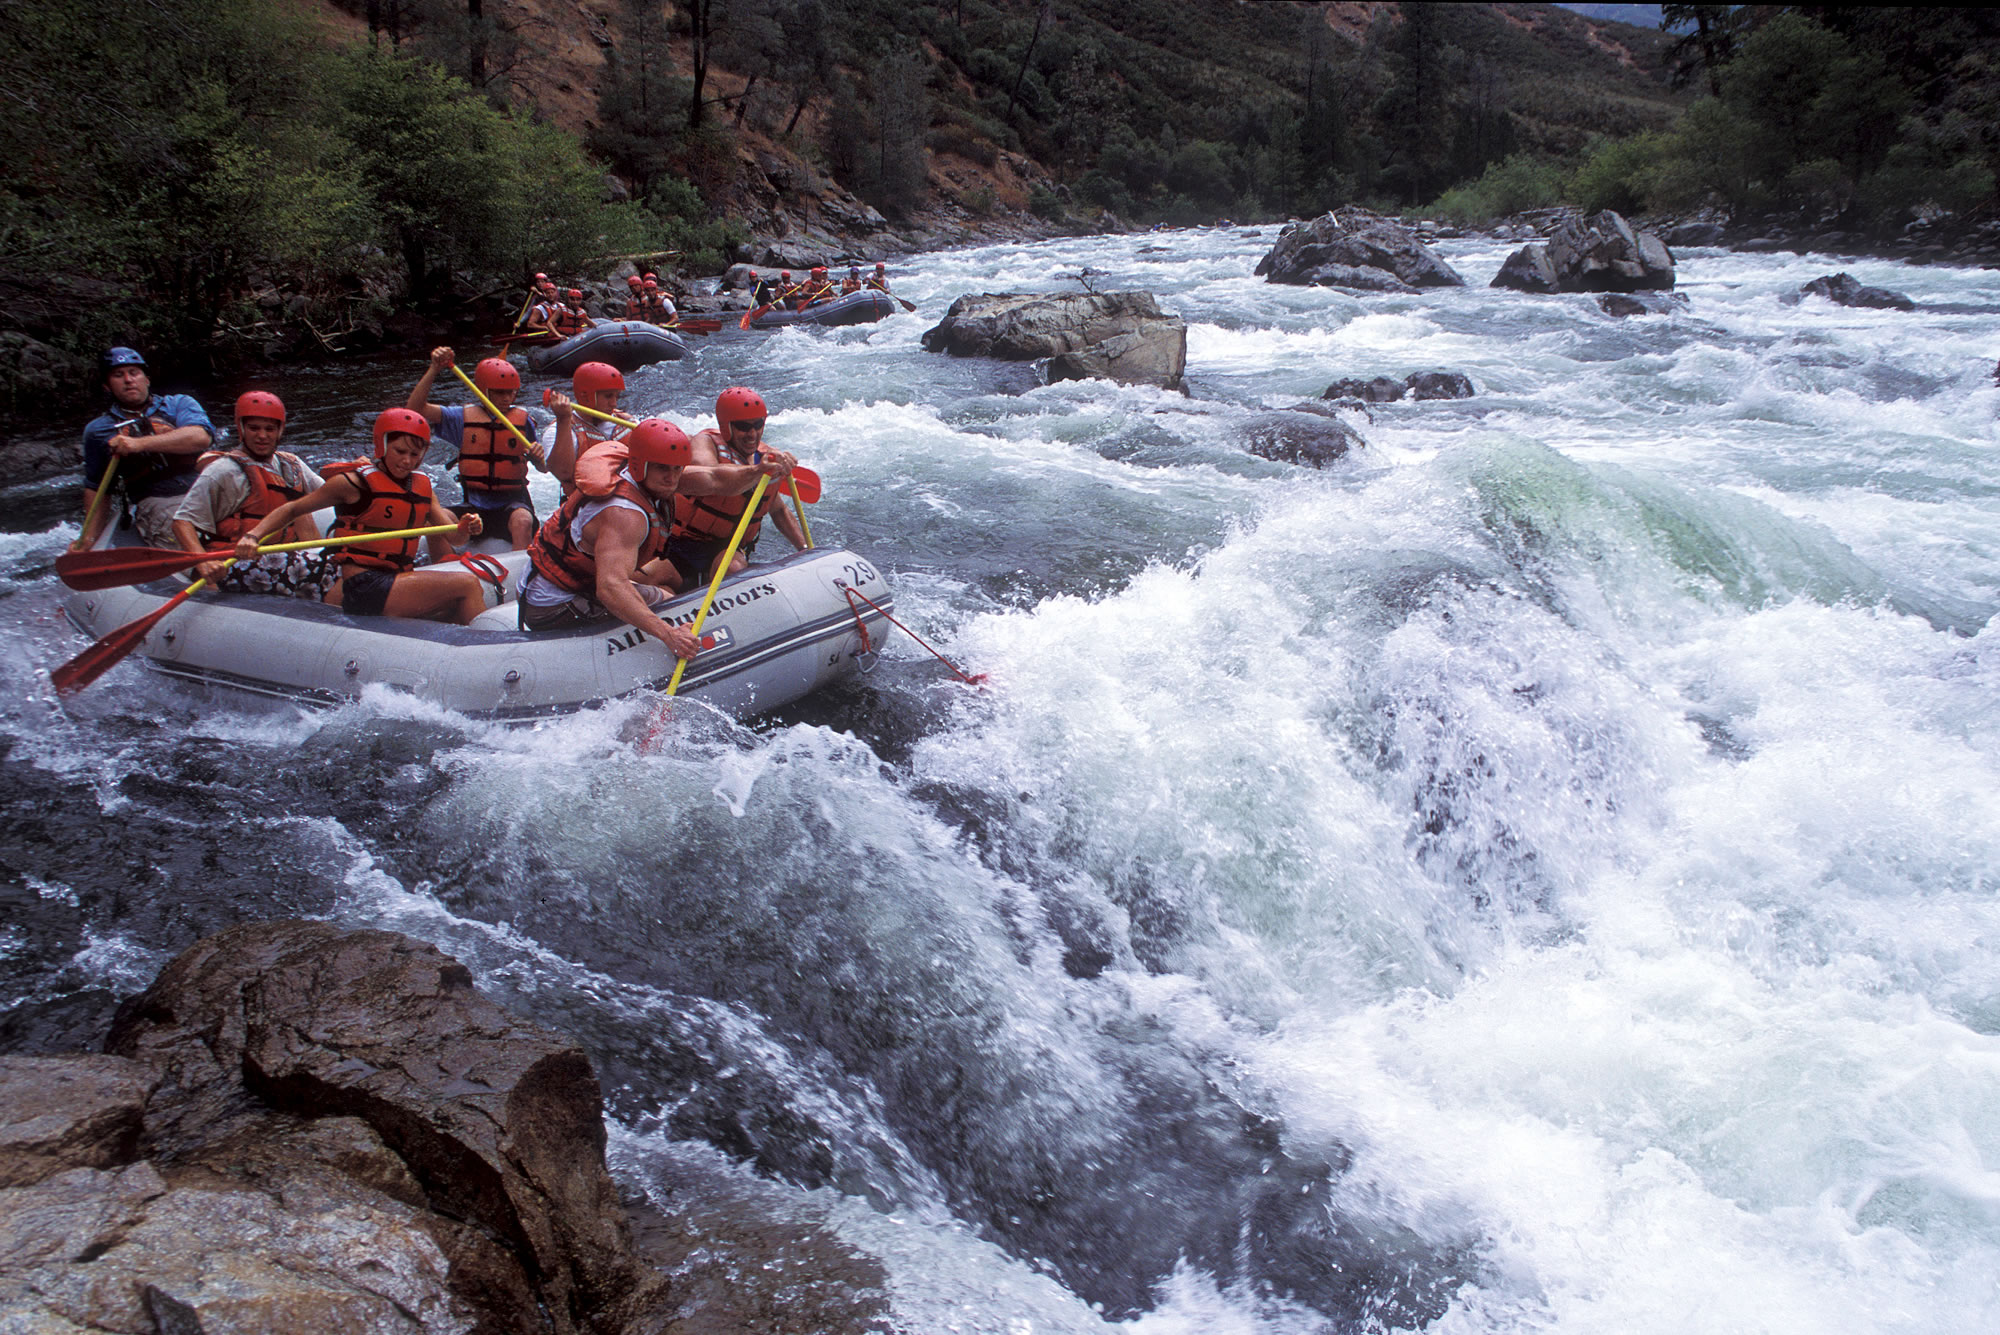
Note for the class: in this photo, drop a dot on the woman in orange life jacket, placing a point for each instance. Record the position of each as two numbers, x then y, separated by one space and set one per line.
383 496
240 487
851 283
707 509
571 318
492 466
635 299
596 385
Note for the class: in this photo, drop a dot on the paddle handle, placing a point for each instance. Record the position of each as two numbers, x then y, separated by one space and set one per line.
530 446
721 573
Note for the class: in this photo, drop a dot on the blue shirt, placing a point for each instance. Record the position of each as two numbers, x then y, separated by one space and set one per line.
451 426
145 475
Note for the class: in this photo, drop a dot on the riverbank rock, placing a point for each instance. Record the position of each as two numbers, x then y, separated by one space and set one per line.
1417 385
1118 336
1601 253
1353 248
1845 290
1307 434
308 1129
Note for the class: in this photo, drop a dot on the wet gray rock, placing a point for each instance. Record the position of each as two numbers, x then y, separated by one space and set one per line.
1349 240
1301 437
59 1113
1845 290
1358 278
1600 253
1118 336
1417 385
1641 303
1694 234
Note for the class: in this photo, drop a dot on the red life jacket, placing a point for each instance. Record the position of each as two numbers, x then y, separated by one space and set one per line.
386 506
560 561
656 307
635 308
489 458
714 518
570 320
268 491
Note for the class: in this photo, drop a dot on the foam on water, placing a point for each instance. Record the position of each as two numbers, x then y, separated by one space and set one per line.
1568 821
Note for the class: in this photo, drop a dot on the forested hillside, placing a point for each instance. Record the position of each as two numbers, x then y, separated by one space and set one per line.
294 177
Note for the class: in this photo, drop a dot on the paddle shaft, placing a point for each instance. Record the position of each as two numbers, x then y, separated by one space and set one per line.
721 573
97 498
528 445
115 567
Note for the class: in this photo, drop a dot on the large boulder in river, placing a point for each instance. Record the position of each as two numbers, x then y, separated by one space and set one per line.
1306 434
1845 290
1416 385
1118 336
1601 253
1353 248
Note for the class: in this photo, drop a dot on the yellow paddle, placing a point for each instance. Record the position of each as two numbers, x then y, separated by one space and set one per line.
534 450
721 573
97 498
116 567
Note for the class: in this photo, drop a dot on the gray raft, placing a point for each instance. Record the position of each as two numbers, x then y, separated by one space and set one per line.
863 307
625 344
777 632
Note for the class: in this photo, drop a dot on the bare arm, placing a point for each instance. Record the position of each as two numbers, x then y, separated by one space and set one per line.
342 490
440 545
562 454
615 536
420 397
181 440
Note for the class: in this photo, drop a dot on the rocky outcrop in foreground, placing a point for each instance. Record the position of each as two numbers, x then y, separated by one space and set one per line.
1600 253
305 1129
1118 336
1306 433
1845 290
1358 250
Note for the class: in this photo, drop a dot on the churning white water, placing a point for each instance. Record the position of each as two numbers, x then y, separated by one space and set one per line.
1535 875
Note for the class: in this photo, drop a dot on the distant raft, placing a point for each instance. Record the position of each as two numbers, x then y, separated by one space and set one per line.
625 344
776 632
863 307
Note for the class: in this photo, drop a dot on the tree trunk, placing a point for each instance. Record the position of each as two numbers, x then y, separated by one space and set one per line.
743 99
1042 13
475 44
699 34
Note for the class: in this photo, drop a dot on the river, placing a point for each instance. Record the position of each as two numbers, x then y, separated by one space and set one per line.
1530 876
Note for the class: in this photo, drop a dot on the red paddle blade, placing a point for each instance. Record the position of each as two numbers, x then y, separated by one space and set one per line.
807 484
108 652
115 567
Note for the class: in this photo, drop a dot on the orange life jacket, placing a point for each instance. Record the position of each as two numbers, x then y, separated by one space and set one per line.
656 307
875 281
714 518
268 491
848 285
812 296
560 561
490 459
570 320
386 505
635 308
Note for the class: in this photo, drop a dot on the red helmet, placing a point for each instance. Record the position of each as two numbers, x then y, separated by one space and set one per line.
785 274
632 280
819 271
541 278
544 285
576 294
652 285
496 373
739 404
652 278
594 376
399 422
658 441
259 404
880 267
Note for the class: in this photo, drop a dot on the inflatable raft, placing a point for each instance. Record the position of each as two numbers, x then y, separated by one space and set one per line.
861 307
776 632
625 344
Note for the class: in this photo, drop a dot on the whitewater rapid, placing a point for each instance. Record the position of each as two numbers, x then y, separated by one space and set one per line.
1535 875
